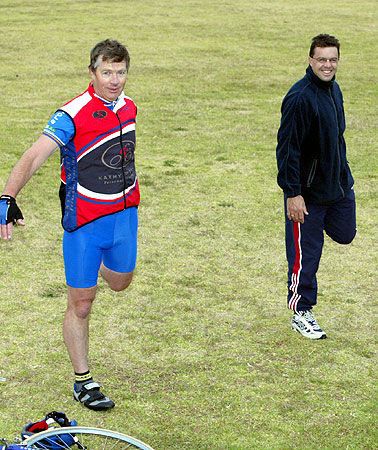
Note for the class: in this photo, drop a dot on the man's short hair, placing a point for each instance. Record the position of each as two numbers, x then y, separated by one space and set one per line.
324 40
109 50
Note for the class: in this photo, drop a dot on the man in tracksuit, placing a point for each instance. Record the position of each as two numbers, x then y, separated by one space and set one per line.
314 174
95 133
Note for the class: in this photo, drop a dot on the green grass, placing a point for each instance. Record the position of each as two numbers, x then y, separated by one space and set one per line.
198 352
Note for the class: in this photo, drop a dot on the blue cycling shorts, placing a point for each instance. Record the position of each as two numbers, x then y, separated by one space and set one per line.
110 239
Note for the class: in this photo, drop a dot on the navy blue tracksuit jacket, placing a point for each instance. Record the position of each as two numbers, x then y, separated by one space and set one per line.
311 151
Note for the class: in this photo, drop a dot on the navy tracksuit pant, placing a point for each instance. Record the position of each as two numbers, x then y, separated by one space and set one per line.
304 244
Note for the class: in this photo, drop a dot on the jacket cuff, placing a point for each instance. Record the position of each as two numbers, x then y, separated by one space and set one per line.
293 192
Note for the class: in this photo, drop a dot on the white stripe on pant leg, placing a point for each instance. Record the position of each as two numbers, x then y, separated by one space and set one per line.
294 283
293 302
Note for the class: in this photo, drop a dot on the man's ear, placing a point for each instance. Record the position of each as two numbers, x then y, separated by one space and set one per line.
91 73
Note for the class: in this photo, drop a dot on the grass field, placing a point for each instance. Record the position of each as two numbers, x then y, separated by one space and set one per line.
198 352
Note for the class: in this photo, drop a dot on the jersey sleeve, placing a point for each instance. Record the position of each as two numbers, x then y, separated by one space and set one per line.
60 128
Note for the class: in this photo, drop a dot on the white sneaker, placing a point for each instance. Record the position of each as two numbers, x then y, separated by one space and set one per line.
305 323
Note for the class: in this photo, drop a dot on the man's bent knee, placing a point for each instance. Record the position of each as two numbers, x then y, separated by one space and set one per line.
121 283
345 239
349 238
117 281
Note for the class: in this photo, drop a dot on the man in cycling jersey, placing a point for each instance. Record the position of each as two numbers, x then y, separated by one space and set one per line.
95 133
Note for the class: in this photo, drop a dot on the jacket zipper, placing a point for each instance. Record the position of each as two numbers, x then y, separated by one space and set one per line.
338 135
122 161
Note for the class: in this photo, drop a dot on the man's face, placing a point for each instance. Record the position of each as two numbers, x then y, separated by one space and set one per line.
324 62
109 79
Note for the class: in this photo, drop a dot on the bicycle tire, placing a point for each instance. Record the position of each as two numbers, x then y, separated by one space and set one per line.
88 438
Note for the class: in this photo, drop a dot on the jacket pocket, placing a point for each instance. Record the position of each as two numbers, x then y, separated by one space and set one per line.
311 173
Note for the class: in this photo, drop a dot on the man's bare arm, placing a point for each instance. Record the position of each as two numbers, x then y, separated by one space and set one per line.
24 169
28 164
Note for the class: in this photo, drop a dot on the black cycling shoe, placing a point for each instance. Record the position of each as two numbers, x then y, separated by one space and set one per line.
89 394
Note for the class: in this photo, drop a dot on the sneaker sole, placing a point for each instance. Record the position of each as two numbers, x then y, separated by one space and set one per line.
309 336
94 408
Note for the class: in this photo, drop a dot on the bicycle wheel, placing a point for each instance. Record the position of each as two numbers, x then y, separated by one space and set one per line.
84 438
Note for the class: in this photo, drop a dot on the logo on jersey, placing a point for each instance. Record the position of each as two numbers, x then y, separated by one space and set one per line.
56 117
122 159
111 167
124 108
99 114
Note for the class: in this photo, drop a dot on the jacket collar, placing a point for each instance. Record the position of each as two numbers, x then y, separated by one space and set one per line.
322 84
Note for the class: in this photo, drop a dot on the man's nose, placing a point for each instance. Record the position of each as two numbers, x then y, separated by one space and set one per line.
114 79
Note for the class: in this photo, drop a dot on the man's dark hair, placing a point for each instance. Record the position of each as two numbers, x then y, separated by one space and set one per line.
108 50
324 40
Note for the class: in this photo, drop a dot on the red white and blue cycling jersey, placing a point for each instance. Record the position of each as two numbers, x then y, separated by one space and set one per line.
97 143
